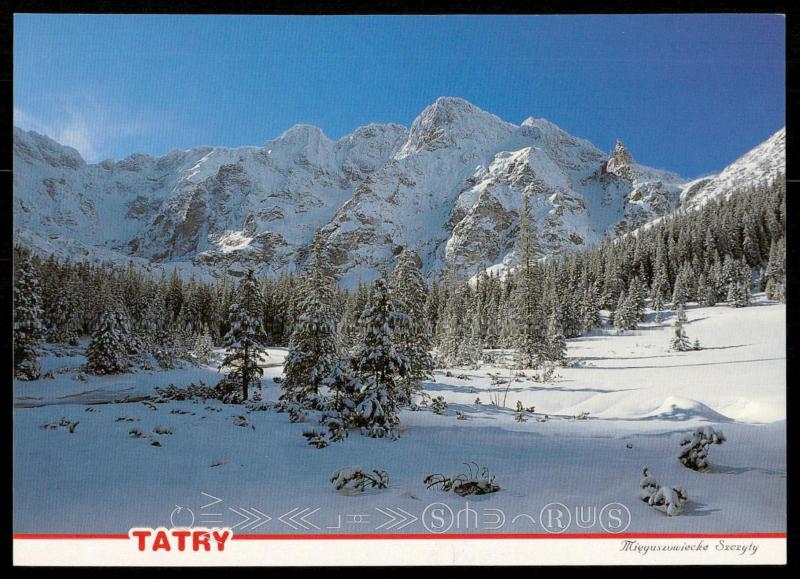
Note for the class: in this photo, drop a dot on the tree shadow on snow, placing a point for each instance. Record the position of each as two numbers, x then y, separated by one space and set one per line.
725 469
698 509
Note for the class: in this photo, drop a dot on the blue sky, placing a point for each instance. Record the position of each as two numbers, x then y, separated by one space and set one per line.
685 93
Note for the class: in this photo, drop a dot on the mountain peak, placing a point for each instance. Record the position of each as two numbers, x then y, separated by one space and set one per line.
302 134
620 161
451 122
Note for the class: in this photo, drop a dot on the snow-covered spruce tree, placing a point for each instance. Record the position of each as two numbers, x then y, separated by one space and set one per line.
739 293
244 343
590 308
776 271
345 391
680 293
657 305
453 324
28 330
695 447
624 317
348 325
414 338
202 347
680 341
378 363
529 340
556 343
314 343
107 352
636 298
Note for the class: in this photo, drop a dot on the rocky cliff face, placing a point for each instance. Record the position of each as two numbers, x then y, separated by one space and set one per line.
452 188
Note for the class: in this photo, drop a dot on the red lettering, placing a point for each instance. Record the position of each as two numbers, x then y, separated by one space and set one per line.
181 535
161 541
201 538
220 538
141 535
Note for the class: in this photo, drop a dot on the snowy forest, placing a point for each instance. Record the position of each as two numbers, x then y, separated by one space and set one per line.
355 358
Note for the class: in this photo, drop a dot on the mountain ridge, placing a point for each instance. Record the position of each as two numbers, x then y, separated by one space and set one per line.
450 187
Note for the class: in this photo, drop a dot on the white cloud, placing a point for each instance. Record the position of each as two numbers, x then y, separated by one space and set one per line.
84 124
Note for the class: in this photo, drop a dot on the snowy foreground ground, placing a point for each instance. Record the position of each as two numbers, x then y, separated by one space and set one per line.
263 478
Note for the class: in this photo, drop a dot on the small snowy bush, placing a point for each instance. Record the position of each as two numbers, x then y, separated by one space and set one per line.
520 413
316 438
476 482
669 500
63 423
546 374
438 405
695 447
357 478
229 390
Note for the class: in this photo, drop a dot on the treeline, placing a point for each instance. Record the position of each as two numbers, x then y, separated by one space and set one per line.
355 357
720 253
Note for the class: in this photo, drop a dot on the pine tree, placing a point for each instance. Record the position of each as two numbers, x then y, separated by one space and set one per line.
108 350
740 281
680 342
202 347
624 317
379 364
414 340
590 308
776 271
636 298
314 343
244 342
28 329
657 305
529 339
680 293
680 314
556 343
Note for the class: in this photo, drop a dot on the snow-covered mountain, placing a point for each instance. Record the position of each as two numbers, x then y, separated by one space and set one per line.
451 188
760 164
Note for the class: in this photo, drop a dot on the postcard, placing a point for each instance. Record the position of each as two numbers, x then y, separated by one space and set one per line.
399 290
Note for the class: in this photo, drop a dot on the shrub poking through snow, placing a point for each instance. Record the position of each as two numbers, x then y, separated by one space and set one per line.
695 447
460 415
438 405
546 374
583 416
316 438
478 481
520 413
63 423
358 479
668 500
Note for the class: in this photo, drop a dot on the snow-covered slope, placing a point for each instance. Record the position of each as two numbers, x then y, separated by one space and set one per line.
451 188
759 165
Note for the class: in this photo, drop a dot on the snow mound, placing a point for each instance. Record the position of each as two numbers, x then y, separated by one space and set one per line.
677 408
